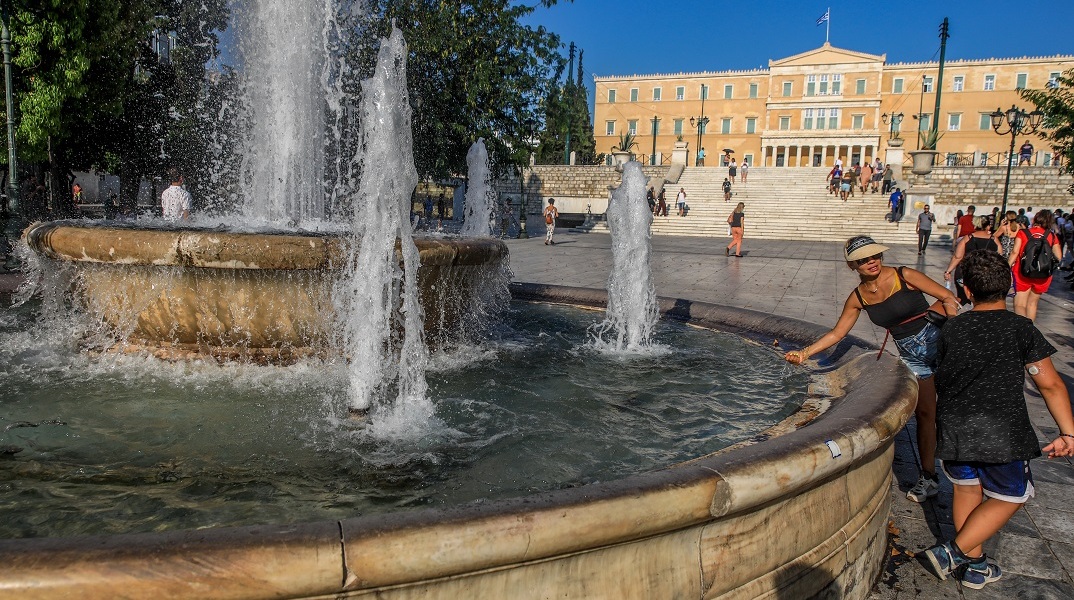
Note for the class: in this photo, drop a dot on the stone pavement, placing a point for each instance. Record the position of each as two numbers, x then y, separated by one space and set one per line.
810 281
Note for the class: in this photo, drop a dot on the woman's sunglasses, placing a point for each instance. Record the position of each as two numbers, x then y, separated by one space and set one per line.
868 259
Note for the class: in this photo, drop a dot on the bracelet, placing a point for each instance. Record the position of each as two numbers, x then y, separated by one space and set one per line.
1069 435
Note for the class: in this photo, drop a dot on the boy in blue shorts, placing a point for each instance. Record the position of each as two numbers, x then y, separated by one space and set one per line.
984 436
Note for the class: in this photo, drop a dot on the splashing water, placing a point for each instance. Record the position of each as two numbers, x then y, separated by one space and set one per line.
292 89
377 301
479 192
632 313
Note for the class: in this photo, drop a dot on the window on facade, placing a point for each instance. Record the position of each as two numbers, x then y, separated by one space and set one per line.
633 94
704 92
728 91
784 123
820 117
837 84
823 85
954 121
926 85
680 93
655 124
678 126
958 83
858 122
632 126
811 85
751 124
807 118
611 96
1053 80
657 92
725 125
703 126
989 83
859 86
923 122
1020 81
986 121
753 90
833 118
896 85
786 89
609 128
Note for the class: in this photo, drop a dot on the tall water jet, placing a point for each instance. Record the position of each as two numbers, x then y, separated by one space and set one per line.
378 302
479 200
286 93
632 312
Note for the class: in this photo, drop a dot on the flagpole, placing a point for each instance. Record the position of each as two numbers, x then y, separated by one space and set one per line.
828 25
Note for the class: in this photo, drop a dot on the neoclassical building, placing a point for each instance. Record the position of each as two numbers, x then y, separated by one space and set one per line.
810 108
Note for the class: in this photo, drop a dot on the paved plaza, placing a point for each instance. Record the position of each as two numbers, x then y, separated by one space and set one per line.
810 281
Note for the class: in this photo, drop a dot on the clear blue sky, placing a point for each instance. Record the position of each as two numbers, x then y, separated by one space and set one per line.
624 37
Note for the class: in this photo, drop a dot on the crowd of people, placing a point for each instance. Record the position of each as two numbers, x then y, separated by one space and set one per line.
874 177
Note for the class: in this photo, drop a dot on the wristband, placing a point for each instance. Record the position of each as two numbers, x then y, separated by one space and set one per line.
1069 435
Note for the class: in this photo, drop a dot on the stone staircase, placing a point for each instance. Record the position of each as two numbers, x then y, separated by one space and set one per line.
781 203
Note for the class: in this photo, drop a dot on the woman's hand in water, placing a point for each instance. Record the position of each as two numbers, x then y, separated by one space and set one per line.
795 356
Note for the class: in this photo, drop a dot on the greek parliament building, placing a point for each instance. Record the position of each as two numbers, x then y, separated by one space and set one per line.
807 109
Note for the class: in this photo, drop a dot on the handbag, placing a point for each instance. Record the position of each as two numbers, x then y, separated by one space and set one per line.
548 218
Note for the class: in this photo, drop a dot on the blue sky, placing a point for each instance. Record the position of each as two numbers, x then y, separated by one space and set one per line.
624 37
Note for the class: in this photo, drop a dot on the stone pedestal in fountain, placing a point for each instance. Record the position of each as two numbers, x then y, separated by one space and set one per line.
265 296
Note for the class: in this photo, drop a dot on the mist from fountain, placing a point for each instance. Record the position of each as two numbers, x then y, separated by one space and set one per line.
631 314
479 192
379 302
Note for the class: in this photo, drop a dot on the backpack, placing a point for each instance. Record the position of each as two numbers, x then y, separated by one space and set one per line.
1037 259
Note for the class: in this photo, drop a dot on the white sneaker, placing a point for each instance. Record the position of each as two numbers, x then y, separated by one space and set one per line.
924 489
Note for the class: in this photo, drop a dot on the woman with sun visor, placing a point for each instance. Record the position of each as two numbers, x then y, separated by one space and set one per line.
894 298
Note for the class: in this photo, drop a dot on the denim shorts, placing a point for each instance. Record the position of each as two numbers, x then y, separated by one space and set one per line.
1010 482
919 351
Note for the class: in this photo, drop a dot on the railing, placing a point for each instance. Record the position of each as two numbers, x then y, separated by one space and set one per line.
958 159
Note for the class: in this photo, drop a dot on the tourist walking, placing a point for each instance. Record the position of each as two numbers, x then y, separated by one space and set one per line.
835 177
650 198
889 180
661 204
745 171
736 220
726 190
924 229
1025 154
550 216
1034 256
846 188
680 202
700 158
175 201
986 439
895 203
1006 232
865 178
894 298
732 170
878 175
979 239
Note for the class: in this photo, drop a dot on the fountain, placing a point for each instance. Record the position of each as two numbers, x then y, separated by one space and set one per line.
695 525
479 204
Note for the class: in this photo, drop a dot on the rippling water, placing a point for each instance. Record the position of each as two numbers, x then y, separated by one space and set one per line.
110 444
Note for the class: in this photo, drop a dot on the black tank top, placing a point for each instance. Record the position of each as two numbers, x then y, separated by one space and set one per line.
897 308
979 243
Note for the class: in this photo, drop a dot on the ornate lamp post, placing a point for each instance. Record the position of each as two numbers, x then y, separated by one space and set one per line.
1018 122
700 122
895 121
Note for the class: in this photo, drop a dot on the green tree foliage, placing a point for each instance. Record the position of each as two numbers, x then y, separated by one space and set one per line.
474 71
1057 104
567 106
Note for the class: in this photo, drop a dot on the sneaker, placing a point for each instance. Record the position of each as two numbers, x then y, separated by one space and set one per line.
980 573
924 489
943 559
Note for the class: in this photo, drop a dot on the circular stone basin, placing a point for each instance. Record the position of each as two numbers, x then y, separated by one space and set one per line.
798 512
232 294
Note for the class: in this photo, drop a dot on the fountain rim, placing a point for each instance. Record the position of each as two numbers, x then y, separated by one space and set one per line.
873 403
217 248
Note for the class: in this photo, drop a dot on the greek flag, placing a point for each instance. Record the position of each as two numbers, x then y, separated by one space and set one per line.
824 17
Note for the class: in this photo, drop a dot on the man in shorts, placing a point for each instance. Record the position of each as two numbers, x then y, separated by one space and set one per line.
985 439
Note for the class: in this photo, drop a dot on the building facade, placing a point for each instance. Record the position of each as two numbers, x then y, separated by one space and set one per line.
809 109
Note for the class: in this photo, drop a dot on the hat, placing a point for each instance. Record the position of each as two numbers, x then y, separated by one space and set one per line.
860 247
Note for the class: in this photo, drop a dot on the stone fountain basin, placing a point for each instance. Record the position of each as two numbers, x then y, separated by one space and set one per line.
782 516
225 293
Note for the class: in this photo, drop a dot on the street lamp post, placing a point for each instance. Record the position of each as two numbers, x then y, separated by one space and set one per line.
895 120
700 122
522 234
1018 122
652 157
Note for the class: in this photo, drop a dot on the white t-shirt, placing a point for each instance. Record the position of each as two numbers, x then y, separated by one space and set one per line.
174 201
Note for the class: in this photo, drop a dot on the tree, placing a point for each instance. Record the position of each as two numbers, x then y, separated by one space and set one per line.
474 71
1057 103
568 106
